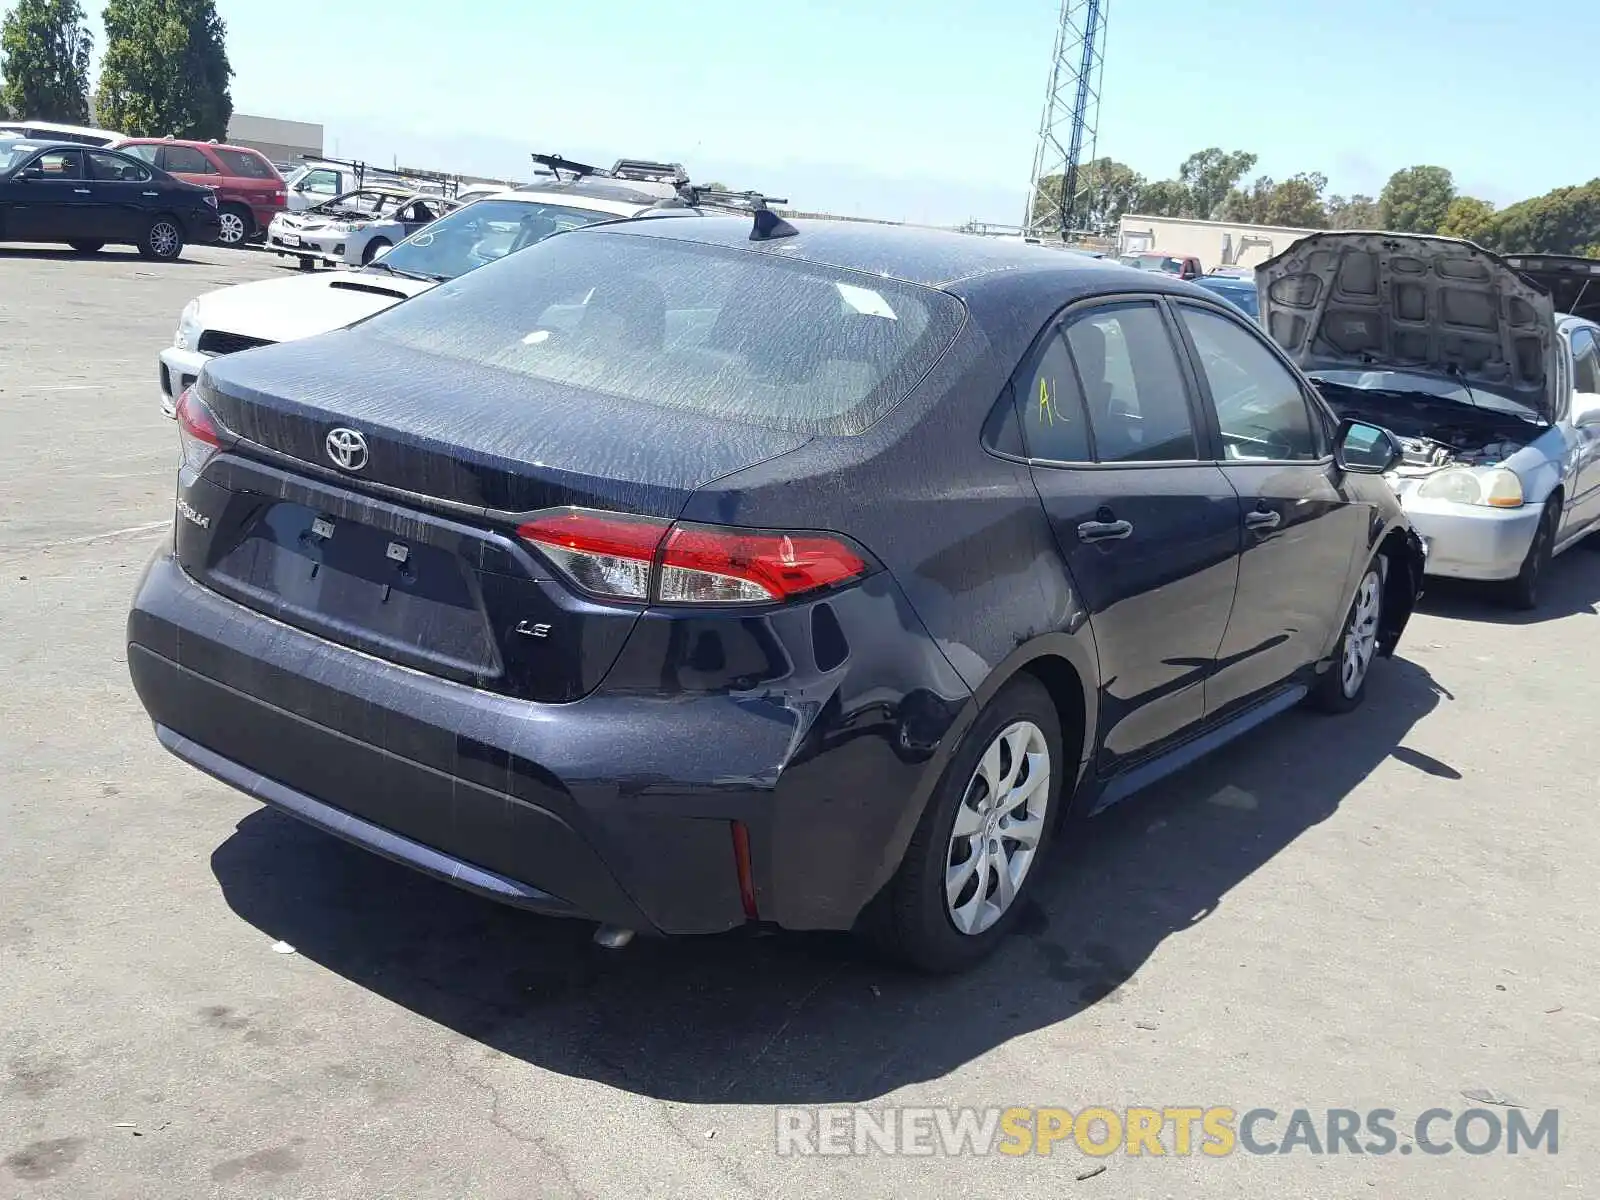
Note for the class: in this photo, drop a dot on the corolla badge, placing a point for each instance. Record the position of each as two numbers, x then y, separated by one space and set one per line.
347 448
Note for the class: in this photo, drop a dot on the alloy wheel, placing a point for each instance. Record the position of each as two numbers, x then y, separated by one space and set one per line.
998 827
233 230
1361 639
164 239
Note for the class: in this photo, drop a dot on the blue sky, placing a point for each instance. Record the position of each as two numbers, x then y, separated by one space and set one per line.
927 111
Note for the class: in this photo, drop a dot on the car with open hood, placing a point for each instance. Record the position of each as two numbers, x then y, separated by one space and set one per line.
1493 394
318 234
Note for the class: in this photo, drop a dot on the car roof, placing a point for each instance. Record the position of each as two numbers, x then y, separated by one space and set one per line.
930 257
599 204
155 141
44 143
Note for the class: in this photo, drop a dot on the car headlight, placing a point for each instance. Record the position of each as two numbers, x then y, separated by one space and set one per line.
188 335
1493 487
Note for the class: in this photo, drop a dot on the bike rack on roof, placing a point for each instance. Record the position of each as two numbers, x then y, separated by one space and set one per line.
632 170
766 224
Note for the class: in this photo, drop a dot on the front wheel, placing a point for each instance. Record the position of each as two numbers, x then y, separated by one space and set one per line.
87 247
162 240
374 248
961 884
1522 592
1344 684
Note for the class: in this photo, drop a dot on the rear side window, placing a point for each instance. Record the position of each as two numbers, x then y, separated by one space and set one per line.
1133 387
114 168
746 336
1053 424
185 160
242 162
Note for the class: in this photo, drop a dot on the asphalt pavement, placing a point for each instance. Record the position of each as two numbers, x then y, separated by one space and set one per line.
1390 910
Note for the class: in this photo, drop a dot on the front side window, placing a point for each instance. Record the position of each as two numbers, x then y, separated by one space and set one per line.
321 183
1585 368
1260 408
1133 388
113 168
60 164
185 160
1047 399
754 338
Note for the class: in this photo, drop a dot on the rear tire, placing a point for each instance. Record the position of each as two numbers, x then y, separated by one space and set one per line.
162 240
1343 686
87 247
234 226
957 894
373 249
1522 593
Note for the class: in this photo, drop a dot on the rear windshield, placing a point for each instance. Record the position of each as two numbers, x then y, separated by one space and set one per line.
747 336
242 162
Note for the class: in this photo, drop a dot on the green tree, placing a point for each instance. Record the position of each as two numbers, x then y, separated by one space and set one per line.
1564 221
1416 199
1106 190
44 61
1467 217
1210 175
1166 198
1353 212
165 71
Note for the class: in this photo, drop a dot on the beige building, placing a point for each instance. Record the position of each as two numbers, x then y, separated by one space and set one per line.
281 141
1214 243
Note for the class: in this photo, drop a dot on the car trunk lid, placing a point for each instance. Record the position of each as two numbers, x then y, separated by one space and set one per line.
406 547
1420 304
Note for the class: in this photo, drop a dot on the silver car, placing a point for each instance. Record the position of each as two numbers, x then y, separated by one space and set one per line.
1493 395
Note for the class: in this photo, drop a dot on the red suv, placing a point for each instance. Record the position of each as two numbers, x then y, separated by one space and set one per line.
250 191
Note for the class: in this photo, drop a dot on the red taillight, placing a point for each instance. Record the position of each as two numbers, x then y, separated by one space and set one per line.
644 558
741 865
705 564
280 198
198 432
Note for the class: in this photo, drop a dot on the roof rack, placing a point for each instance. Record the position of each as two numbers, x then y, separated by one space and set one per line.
632 170
766 223
355 164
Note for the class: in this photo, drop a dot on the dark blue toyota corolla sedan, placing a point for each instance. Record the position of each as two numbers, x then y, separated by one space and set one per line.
681 574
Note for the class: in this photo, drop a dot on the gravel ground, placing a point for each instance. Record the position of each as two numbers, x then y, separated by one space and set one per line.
1390 910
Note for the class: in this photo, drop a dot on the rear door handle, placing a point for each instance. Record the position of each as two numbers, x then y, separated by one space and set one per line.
1104 531
80 191
152 193
1263 519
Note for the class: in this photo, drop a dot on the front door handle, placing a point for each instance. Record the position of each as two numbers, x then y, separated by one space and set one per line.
152 193
1104 531
80 191
1263 518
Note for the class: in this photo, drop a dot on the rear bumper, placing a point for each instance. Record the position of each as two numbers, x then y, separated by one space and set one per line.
203 225
617 807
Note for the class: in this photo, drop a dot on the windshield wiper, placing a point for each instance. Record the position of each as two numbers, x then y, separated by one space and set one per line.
380 265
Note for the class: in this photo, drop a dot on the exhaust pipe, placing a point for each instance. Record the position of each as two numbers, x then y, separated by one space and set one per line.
612 937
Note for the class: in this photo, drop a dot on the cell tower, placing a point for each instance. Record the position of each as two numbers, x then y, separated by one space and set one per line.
1071 112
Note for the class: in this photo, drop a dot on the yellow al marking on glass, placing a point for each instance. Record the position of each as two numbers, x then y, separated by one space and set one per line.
1047 412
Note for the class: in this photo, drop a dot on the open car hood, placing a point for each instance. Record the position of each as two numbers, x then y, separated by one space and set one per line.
1426 305
1573 283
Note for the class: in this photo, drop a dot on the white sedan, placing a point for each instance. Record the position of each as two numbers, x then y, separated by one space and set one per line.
1494 395
279 310
319 234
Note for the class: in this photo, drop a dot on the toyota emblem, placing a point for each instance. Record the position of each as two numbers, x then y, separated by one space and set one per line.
347 448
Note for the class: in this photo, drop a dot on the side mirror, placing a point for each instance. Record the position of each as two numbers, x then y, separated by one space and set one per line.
1364 449
30 173
1586 410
